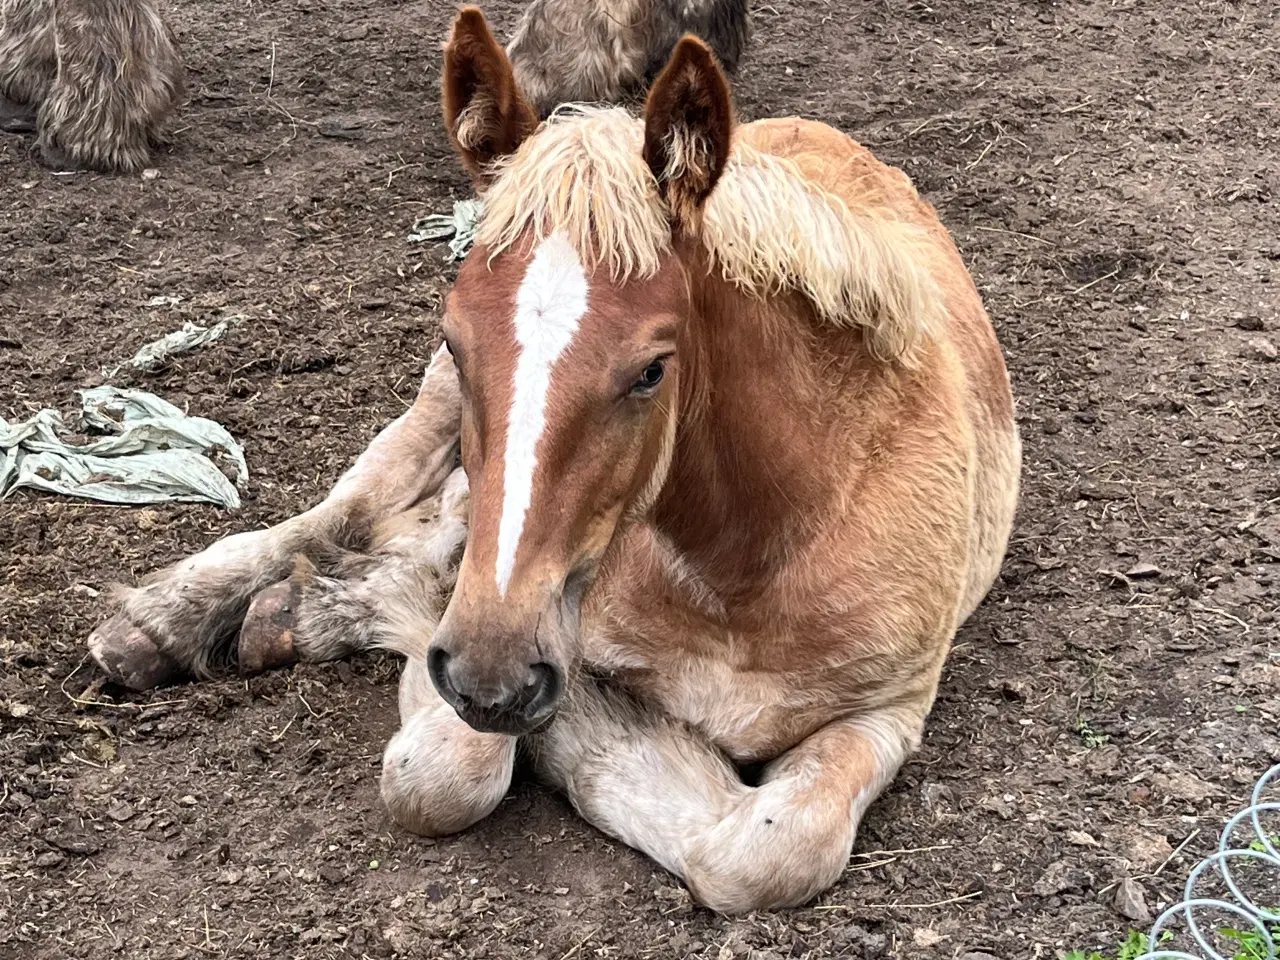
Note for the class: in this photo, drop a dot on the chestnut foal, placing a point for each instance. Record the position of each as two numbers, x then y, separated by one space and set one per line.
738 457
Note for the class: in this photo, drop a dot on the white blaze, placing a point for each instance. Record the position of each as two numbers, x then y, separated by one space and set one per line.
551 300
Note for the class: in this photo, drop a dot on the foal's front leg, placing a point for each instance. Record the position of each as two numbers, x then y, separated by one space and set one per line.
440 776
185 619
665 790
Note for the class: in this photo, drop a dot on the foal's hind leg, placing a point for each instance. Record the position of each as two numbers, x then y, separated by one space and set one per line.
665 790
185 619
28 62
119 77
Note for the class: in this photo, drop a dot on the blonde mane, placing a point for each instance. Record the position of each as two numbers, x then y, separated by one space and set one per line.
767 228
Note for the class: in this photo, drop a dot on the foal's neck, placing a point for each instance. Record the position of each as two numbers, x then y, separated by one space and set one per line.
773 432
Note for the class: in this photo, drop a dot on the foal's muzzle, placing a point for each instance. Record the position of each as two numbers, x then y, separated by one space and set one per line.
513 705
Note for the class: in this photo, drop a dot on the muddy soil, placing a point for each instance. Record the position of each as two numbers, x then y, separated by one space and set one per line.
1109 170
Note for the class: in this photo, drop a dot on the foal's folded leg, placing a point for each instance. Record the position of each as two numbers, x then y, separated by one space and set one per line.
376 598
439 775
185 619
665 790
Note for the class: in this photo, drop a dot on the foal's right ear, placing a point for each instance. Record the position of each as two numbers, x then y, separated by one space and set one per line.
688 125
484 113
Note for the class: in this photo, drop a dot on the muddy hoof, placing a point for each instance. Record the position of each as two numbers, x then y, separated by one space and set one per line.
266 638
129 657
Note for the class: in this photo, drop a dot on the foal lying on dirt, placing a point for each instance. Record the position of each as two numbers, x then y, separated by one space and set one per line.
738 457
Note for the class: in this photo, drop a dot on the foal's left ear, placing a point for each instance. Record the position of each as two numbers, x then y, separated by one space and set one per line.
484 113
688 124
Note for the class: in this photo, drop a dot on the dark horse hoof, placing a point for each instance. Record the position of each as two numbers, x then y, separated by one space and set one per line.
266 637
129 657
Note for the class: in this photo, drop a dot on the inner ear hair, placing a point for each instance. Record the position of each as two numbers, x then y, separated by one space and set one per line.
484 113
688 120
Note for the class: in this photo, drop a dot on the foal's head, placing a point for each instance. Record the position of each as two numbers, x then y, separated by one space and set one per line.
564 325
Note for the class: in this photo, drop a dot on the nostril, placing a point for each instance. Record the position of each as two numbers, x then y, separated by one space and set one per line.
438 669
541 688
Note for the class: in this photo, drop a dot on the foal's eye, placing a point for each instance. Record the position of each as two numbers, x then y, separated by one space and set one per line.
649 380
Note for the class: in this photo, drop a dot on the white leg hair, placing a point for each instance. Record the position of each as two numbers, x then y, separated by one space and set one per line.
392 596
191 611
665 790
440 776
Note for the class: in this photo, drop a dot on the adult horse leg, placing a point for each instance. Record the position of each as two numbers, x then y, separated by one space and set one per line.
28 61
185 618
119 77
664 789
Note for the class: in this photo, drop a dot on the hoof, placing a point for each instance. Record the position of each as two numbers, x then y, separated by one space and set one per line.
129 657
266 638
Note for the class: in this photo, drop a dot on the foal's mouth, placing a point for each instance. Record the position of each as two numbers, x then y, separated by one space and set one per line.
506 722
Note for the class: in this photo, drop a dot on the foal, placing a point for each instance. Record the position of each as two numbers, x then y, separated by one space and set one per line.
738 456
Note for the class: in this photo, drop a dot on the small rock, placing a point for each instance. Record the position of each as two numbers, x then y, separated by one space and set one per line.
19 710
1141 570
121 812
1147 851
1060 878
1184 786
354 33
188 800
1081 839
50 858
151 173
1131 901
927 937
1261 676
1260 348
1247 321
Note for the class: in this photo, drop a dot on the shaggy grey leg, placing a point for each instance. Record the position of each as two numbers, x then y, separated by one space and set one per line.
119 77
191 612
28 61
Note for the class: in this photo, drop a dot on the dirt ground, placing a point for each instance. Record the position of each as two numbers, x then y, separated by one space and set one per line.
1108 168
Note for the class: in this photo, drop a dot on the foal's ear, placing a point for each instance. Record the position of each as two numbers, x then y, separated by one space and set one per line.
484 113
688 123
